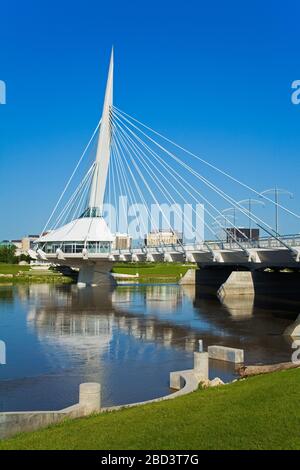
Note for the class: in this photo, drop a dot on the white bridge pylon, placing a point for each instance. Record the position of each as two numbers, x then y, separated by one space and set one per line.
104 146
131 157
90 232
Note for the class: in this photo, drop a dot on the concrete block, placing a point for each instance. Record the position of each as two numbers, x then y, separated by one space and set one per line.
201 365
90 396
176 380
216 382
223 353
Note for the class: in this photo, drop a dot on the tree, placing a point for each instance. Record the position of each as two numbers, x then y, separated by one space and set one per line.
8 254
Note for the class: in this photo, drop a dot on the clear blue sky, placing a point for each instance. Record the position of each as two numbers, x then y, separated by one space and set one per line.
214 76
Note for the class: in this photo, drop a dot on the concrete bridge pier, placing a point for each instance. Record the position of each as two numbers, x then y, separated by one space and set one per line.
238 283
227 281
209 280
96 274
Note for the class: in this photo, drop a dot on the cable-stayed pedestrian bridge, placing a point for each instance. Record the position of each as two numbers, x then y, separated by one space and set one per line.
165 185
265 252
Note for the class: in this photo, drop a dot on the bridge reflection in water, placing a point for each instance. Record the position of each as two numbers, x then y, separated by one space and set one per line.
128 339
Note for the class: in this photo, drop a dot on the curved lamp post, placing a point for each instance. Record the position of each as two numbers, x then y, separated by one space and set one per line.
249 202
277 191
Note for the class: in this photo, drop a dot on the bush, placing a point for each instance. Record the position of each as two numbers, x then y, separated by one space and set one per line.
24 258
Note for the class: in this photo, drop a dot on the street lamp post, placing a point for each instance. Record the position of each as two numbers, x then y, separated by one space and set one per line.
229 209
221 221
250 202
277 191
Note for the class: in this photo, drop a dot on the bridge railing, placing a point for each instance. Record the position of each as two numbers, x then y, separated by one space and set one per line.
263 242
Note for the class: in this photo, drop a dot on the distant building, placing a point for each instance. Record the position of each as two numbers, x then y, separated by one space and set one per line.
17 243
163 237
6 243
23 245
242 234
122 241
28 242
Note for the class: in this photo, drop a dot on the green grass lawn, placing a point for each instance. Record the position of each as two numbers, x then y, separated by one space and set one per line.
148 272
23 274
258 413
12 268
153 271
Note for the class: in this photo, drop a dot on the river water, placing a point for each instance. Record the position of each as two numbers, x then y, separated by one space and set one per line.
58 336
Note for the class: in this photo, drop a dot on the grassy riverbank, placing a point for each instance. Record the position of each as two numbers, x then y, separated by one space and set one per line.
148 273
154 272
6 268
14 273
257 413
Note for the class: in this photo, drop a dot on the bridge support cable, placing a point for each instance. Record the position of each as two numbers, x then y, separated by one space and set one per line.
144 181
139 152
231 235
259 222
178 177
120 151
169 198
72 176
82 200
202 160
121 171
112 169
120 181
125 146
164 192
107 196
76 202
63 216
129 189
208 183
183 183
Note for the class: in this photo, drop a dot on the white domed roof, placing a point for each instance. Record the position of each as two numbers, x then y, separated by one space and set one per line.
83 229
